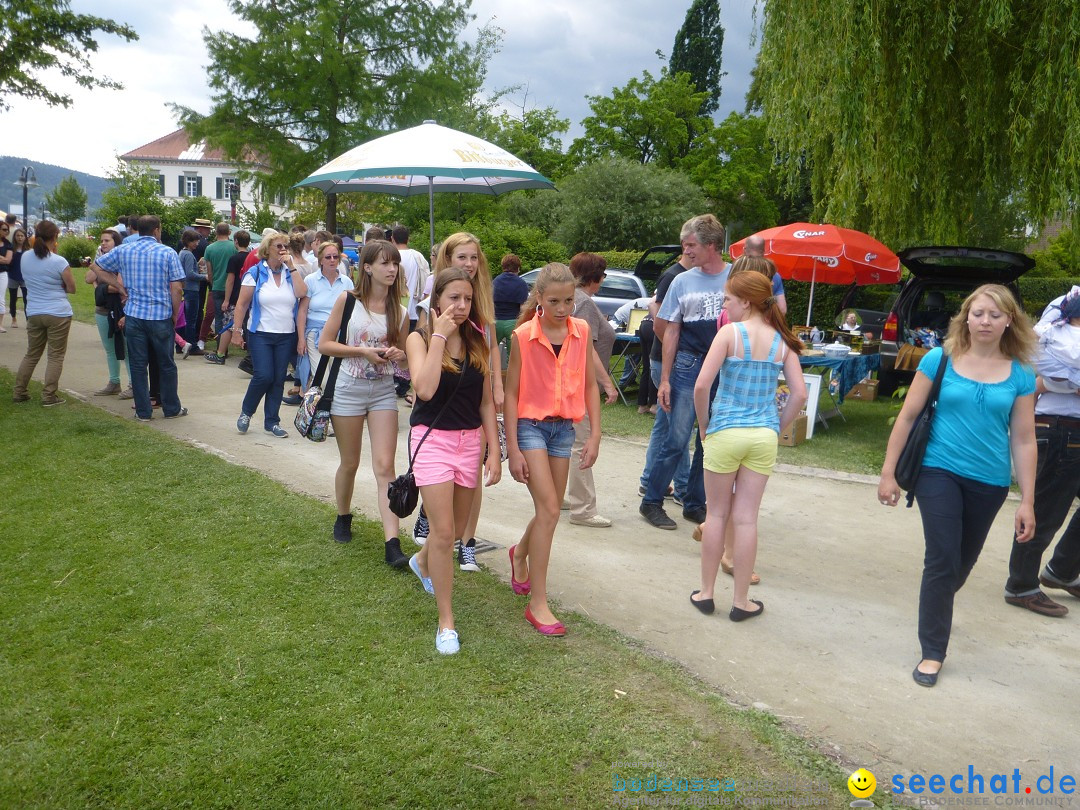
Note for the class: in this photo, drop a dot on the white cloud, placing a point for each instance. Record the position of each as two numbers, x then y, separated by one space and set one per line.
561 50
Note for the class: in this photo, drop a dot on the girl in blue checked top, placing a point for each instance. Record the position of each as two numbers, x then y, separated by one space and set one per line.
985 417
740 438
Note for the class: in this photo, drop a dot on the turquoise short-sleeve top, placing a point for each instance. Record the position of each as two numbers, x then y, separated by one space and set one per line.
970 432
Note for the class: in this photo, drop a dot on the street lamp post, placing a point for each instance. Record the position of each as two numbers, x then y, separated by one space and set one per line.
27 180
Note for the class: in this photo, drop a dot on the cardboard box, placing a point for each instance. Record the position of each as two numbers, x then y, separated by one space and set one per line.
865 391
795 433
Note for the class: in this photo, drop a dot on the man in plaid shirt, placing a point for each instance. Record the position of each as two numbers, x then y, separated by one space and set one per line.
150 279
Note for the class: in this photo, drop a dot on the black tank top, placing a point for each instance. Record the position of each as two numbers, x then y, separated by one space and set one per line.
463 411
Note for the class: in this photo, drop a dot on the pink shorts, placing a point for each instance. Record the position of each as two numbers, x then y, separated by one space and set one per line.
446 455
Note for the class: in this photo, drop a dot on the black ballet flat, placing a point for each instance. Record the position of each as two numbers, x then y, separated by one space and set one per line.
925 678
706 606
740 615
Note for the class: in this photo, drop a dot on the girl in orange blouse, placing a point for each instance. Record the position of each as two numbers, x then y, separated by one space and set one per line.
550 384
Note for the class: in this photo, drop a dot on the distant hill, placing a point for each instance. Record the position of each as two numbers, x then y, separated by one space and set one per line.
48 177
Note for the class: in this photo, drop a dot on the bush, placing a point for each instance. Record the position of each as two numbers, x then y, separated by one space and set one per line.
1038 292
75 249
625 205
624 259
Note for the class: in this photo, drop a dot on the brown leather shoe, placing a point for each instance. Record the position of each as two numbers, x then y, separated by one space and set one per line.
1072 590
1039 603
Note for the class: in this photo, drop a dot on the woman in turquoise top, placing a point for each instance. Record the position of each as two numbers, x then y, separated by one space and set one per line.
985 416
740 441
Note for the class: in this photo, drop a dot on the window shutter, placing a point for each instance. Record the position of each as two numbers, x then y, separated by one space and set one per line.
161 184
198 186
181 192
220 190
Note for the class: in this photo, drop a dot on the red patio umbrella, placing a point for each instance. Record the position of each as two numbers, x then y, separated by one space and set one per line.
826 253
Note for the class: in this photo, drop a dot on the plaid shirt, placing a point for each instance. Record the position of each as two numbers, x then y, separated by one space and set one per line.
146 267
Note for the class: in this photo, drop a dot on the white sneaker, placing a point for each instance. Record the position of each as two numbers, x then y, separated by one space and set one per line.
594 522
467 555
202 345
446 641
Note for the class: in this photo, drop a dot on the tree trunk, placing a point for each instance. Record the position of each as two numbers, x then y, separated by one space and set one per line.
331 213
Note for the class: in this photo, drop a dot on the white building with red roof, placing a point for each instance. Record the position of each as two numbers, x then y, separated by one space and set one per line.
186 169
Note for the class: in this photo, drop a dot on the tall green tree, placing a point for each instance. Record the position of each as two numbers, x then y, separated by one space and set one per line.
317 77
648 121
41 35
698 48
909 135
134 189
67 201
624 205
533 136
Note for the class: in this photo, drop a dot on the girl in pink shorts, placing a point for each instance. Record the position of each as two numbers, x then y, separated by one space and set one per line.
449 361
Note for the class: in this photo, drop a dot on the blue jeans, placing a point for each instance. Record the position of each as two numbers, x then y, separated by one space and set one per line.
146 338
1057 483
191 314
271 353
656 438
681 419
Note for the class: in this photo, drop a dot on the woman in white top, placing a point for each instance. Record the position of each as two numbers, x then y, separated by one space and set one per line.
48 313
271 289
374 348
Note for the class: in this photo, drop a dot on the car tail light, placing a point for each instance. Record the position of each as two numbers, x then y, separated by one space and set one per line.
889 330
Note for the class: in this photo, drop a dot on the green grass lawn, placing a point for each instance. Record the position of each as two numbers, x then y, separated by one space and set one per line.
179 632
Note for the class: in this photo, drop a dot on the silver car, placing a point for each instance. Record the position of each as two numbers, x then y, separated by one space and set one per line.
618 287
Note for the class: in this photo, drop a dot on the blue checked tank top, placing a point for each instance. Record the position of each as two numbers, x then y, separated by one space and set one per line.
746 394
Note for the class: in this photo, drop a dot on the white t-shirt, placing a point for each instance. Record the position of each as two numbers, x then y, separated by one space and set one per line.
413 264
276 304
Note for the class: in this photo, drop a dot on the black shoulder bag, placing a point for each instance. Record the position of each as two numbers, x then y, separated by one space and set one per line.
909 464
402 491
313 418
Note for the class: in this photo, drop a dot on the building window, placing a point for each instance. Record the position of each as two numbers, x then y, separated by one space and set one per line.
192 185
161 184
225 186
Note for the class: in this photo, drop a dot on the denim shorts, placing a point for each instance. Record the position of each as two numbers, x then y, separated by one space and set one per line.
557 436
358 397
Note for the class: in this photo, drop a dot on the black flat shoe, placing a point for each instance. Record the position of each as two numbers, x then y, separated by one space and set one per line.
740 615
925 678
706 606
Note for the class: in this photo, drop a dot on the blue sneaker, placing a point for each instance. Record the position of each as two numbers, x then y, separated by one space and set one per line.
243 423
278 432
446 641
414 564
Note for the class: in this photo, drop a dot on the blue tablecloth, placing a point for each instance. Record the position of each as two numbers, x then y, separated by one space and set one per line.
848 370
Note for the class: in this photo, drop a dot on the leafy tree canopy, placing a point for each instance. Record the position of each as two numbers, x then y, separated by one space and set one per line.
39 35
648 120
907 134
67 201
621 204
698 48
318 78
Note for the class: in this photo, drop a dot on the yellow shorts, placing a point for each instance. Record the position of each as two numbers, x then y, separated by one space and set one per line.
727 450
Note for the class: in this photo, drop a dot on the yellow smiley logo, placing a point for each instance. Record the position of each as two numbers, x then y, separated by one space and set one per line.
862 784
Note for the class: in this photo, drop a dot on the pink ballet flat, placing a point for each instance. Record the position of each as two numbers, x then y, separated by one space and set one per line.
557 630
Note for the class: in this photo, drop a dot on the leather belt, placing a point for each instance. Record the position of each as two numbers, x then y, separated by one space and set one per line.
1046 420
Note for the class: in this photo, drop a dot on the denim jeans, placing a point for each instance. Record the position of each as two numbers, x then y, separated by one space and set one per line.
656 438
672 447
191 314
957 513
146 339
271 353
1057 482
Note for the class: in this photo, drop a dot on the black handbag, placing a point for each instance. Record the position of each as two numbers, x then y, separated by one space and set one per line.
909 465
312 420
402 492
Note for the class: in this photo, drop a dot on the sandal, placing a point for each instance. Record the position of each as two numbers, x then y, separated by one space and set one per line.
730 571
410 400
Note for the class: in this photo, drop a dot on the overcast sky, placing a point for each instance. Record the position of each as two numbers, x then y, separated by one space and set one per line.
562 50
